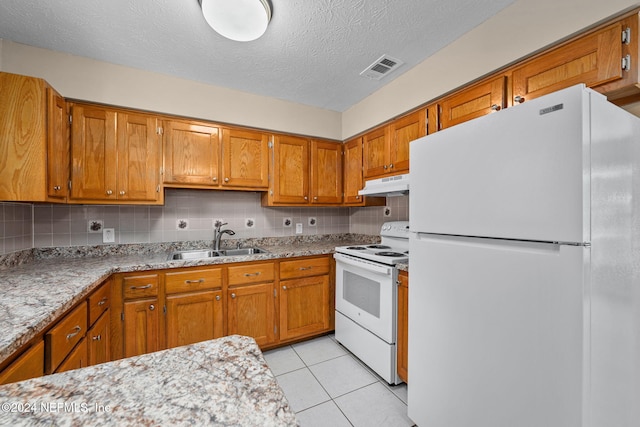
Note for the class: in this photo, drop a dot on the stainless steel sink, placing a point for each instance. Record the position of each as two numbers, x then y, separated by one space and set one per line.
208 253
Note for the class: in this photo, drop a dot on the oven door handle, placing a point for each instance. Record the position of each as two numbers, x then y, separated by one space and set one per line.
364 264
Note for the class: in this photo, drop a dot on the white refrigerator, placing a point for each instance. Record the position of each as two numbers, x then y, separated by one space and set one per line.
524 280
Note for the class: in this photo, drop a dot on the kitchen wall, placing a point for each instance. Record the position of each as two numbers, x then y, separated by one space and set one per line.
15 227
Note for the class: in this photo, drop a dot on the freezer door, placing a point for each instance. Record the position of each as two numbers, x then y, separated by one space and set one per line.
516 173
496 333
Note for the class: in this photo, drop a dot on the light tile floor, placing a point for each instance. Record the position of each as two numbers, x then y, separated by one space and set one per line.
328 386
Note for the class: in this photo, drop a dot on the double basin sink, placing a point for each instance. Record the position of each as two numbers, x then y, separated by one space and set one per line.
209 253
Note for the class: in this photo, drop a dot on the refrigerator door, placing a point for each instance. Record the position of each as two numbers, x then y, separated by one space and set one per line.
520 173
496 333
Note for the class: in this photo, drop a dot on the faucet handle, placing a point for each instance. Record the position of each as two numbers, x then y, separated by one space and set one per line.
218 224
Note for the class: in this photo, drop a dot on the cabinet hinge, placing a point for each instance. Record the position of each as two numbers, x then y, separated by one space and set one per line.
158 188
274 293
159 130
626 63
70 119
164 309
275 330
122 316
626 35
69 184
270 144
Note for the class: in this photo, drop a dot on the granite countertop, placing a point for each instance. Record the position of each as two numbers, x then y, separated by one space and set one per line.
38 291
219 382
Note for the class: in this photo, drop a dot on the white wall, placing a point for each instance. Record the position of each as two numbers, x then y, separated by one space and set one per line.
520 29
88 79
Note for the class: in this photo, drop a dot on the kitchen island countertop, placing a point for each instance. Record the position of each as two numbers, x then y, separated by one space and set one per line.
219 382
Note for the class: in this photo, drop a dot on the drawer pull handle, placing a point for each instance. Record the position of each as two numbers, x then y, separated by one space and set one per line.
103 301
252 274
305 268
141 287
75 332
188 282
96 338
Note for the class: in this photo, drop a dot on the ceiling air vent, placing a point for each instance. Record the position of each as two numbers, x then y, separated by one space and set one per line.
383 66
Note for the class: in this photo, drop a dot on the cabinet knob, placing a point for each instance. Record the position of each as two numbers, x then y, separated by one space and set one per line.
519 99
109 192
495 107
226 180
315 197
391 166
215 179
284 288
357 197
152 307
56 188
233 296
96 338
122 193
217 297
385 167
306 198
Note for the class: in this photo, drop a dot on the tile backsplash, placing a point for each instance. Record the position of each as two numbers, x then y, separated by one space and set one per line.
23 226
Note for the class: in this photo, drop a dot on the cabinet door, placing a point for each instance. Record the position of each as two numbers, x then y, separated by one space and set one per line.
326 172
291 170
245 158
93 153
353 181
251 312
141 327
27 366
194 317
191 153
99 340
401 133
593 60
376 152
77 359
304 306
403 324
139 157
57 146
474 102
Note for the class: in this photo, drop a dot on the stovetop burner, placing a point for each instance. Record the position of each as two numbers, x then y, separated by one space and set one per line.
357 248
390 254
379 247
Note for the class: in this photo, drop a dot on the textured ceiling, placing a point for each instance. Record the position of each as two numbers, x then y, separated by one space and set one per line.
312 52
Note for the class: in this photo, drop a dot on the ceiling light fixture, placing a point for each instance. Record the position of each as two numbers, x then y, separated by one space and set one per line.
240 20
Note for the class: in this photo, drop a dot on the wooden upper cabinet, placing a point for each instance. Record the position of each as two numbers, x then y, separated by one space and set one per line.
352 178
593 59
401 132
326 172
290 170
115 156
376 152
34 145
473 102
139 157
93 153
191 153
57 146
245 156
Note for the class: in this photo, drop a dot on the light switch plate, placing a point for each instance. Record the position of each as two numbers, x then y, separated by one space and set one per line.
108 235
299 228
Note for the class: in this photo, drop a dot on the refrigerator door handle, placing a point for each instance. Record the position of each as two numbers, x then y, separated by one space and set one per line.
502 244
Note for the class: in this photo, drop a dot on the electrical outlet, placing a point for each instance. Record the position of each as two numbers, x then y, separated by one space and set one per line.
299 228
108 235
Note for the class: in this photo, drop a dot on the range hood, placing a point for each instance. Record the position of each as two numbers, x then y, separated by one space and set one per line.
397 185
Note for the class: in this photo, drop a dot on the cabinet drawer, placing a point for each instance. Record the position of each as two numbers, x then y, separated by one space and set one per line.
252 273
193 280
29 365
64 336
77 359
99 301
304 267
140 286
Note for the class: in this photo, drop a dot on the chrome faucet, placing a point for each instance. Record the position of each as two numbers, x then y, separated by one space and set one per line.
217 234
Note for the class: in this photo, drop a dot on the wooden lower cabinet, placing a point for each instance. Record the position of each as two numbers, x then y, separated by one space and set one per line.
141 327
304 306
77 359
99 340
194 317
251 311
29 365
403 324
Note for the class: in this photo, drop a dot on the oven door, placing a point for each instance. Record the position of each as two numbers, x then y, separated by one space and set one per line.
366 293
